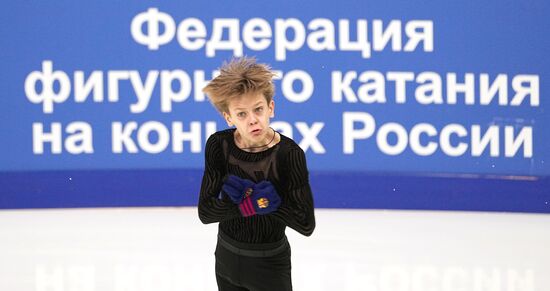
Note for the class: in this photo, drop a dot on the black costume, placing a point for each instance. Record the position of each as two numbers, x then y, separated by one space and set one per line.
252 252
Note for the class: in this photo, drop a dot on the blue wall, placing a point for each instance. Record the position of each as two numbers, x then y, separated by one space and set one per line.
368 146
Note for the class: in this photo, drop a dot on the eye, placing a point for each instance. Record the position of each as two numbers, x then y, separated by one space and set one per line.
241 114
260 109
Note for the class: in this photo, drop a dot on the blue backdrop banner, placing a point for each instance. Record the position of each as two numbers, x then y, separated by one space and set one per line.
397 104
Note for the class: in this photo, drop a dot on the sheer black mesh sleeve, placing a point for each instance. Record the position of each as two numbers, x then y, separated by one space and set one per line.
211 209
297 209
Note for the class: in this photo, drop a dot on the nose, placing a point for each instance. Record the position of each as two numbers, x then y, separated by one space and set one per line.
253 119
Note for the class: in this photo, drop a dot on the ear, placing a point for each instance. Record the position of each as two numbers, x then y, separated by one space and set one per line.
227 118
272 109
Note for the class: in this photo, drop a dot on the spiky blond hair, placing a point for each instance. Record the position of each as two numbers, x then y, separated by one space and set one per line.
239 77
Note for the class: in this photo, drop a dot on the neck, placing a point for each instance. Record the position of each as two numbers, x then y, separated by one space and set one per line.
267 141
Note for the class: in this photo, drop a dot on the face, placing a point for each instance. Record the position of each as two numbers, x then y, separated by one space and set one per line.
250 114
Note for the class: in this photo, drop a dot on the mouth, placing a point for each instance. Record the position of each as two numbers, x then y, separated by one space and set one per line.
256 131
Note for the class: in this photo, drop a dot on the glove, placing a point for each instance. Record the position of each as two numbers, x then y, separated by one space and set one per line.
263 200
237 188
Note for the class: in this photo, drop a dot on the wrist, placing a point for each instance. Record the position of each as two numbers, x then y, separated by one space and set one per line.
246 207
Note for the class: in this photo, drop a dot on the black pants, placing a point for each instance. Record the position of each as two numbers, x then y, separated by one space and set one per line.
252 267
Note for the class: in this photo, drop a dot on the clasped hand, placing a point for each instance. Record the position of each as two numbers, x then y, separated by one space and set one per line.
252 198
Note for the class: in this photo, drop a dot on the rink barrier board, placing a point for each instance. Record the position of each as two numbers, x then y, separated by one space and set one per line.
352 190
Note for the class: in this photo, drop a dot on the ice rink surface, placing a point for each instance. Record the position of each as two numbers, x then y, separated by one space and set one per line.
168 249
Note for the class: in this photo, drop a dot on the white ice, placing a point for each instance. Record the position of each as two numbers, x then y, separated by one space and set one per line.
168 249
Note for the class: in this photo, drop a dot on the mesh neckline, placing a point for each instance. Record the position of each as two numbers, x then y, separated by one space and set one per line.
241 154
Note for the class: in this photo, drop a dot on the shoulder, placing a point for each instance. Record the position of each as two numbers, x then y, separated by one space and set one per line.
293 160
215 138
215 143
288 144
290 151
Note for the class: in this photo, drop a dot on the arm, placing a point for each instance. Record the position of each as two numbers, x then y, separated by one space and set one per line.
296 209
211 209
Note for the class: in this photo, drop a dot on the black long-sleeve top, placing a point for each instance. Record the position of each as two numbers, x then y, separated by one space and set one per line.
284 165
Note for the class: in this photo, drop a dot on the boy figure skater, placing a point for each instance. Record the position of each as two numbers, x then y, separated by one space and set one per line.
255 183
